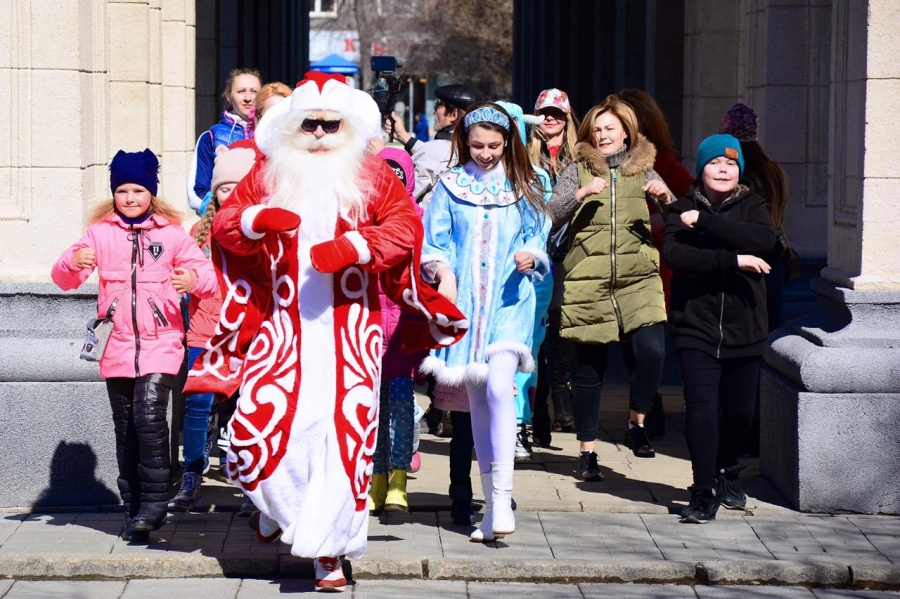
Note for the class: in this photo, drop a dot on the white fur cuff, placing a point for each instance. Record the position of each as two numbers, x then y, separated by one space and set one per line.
362 248
247 219
541 262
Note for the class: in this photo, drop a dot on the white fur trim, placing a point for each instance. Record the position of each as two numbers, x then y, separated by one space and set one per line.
542 263
362 248
477 374
431 263
526 360
443 374
355 105
262 135
247 219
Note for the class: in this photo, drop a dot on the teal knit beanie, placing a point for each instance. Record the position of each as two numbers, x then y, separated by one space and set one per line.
721 144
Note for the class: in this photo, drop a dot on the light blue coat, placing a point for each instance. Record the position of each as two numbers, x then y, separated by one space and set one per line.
475 225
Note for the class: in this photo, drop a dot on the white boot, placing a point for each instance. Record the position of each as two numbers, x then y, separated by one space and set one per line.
504 521
485 532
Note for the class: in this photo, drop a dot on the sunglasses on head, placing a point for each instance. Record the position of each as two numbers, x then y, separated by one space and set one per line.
310 125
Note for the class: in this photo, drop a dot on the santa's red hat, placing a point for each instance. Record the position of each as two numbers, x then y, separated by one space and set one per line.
321 91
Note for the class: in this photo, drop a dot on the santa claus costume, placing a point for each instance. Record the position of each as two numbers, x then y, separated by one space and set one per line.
302 243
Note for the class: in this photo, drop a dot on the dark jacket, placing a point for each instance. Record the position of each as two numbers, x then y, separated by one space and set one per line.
715 306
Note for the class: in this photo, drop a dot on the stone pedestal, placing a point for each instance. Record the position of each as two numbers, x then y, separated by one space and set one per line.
830 401
830 404
58 446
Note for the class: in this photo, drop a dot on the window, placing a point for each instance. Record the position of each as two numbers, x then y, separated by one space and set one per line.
323 8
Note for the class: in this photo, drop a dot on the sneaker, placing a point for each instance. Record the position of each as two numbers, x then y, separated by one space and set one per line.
247 507
523 446
703 506
415 463
637 441
729 489
329 574
461 513
189 495
589 467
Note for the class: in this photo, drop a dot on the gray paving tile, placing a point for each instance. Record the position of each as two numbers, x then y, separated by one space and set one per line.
394 589
515 590
54 589
815 538
853 594
752 592
263 589
195 588
404 534
637 591
882 533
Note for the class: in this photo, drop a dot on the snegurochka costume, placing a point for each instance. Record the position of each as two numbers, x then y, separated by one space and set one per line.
474 225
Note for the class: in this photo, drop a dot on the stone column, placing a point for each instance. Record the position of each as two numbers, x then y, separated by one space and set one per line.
831 398
79 79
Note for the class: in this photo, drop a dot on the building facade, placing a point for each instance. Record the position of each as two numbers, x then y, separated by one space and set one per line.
83 78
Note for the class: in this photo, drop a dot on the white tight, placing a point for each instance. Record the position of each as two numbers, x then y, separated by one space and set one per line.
493 411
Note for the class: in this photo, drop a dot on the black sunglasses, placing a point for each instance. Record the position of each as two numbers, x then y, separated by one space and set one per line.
438 104
310 125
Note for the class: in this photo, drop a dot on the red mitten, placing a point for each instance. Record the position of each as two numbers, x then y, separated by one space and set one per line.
275 219
331 256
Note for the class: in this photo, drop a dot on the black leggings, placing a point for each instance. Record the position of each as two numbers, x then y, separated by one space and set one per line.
142 437
589 367
719 399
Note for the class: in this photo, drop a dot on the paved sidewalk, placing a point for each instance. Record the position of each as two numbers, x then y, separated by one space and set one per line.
620 530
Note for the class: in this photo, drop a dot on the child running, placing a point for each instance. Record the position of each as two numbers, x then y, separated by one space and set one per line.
145 261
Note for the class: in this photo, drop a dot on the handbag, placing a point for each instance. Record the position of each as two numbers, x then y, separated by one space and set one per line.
97 335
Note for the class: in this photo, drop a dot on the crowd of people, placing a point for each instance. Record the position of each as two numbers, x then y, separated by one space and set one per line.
331 272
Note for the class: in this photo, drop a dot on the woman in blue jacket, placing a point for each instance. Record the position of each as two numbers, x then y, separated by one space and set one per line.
236 123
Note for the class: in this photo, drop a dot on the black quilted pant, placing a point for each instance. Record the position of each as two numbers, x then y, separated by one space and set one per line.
142 440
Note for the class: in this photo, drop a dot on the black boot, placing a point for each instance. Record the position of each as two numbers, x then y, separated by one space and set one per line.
154 493
703 506
655 421
637 441
731 493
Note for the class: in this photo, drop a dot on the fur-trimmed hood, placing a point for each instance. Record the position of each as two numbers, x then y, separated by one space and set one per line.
638 159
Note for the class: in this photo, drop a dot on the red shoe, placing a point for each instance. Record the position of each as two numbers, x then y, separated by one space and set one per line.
329 574
415 463
256 522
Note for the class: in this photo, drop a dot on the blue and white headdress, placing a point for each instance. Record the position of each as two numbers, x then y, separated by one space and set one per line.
486 114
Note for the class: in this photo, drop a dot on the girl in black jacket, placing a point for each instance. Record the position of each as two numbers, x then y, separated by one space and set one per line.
714 242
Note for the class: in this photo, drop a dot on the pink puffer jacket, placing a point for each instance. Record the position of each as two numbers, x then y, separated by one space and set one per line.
394 361
135 266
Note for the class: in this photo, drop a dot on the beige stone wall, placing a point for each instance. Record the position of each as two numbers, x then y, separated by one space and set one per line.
81 79
773 55
864 220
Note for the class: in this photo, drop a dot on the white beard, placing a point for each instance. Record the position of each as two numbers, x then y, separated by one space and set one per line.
317 185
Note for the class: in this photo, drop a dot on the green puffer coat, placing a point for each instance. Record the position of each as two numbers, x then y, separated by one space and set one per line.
612 285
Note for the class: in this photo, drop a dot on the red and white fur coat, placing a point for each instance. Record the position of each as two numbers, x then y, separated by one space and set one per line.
304 347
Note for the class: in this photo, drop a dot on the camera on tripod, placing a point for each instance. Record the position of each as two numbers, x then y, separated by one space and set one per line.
388 80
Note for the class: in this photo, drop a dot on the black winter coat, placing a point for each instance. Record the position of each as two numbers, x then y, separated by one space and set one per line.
715 306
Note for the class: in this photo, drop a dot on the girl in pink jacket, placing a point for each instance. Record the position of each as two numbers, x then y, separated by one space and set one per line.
145 261
397 399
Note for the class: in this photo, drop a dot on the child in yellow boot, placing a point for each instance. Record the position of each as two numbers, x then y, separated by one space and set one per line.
397 400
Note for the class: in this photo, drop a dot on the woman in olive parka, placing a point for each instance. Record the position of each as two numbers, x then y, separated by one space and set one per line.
612 290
